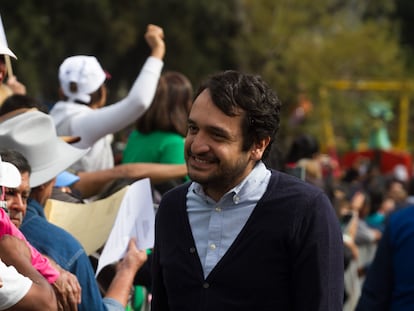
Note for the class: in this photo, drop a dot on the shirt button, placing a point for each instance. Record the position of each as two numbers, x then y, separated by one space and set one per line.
236 199
192 250
206 285
218 209
213 246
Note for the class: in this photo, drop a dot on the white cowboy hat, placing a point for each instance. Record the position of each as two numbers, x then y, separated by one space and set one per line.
9 175
33 134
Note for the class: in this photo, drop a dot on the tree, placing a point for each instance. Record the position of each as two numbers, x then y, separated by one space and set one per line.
297 46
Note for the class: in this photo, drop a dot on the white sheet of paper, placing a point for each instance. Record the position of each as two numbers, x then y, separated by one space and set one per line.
136 219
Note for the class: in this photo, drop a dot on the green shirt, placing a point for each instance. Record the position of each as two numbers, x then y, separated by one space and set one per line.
156 147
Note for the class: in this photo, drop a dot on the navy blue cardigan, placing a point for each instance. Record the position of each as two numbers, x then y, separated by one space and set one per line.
288 256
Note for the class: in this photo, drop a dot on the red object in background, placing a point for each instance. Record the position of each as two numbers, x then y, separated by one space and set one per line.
386 160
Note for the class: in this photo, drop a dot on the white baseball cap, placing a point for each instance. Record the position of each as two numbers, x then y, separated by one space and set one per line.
9 175
86 72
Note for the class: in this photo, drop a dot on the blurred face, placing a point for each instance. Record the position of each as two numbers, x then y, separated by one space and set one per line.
213 148
16 199
3 69
46 191
397 192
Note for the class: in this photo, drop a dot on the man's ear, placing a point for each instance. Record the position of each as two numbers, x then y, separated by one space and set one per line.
259 148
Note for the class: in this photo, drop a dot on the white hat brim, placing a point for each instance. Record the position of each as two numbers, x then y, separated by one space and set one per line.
69 156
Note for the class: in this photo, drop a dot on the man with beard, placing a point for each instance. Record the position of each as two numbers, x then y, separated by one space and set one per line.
241 236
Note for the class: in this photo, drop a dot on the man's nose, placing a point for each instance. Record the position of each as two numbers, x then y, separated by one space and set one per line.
199 143
17 203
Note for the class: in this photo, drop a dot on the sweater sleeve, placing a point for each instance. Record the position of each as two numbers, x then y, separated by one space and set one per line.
97 123
317 252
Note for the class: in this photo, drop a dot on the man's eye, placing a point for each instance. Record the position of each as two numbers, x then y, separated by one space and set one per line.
10 192
192 128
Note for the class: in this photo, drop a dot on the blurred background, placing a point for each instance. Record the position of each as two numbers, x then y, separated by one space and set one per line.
341 68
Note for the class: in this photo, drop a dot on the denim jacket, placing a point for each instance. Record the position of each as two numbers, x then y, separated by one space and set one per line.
63 248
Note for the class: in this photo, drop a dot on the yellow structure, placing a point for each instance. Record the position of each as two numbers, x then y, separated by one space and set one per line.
405 88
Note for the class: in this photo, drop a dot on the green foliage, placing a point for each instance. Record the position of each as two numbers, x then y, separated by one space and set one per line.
296 45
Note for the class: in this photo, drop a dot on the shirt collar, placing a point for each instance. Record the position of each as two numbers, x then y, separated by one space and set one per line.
241 191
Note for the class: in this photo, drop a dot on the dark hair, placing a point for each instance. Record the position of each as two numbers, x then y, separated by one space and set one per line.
170 107
96 96
17 159
231 90
16 101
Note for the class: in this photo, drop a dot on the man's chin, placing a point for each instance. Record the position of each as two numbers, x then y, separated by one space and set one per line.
199 178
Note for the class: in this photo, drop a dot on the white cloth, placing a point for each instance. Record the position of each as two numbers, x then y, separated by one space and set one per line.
93 125
15 286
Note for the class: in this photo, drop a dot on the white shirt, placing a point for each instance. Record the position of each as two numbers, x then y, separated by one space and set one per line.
15 286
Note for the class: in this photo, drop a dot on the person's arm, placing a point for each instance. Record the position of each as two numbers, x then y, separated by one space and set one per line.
91 183
317 257
39 262
15 252
121 284
67 289
97 123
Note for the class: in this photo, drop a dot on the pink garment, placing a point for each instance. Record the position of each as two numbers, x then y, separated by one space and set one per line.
40 262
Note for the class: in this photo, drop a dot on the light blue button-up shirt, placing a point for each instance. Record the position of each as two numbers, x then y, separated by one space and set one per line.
215 225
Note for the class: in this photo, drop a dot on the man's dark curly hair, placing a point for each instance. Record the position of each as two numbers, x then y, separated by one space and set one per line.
231 90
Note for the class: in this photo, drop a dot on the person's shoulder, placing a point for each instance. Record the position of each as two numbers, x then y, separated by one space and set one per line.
405 214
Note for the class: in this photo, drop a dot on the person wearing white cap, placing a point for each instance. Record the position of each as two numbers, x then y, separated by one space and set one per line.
13 86
83 112
33 135
90 184
20 282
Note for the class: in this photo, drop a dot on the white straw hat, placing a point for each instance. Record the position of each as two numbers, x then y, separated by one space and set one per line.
9 175
86 72
33 134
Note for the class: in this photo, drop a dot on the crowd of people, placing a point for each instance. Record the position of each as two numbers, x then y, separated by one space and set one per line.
239 224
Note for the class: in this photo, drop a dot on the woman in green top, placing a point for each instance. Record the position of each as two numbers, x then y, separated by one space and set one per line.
160 131
159 135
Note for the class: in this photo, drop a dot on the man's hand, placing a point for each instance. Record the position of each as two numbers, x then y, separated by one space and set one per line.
133 259
155 39
67 290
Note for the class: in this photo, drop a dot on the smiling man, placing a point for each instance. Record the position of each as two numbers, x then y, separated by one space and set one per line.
241 236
